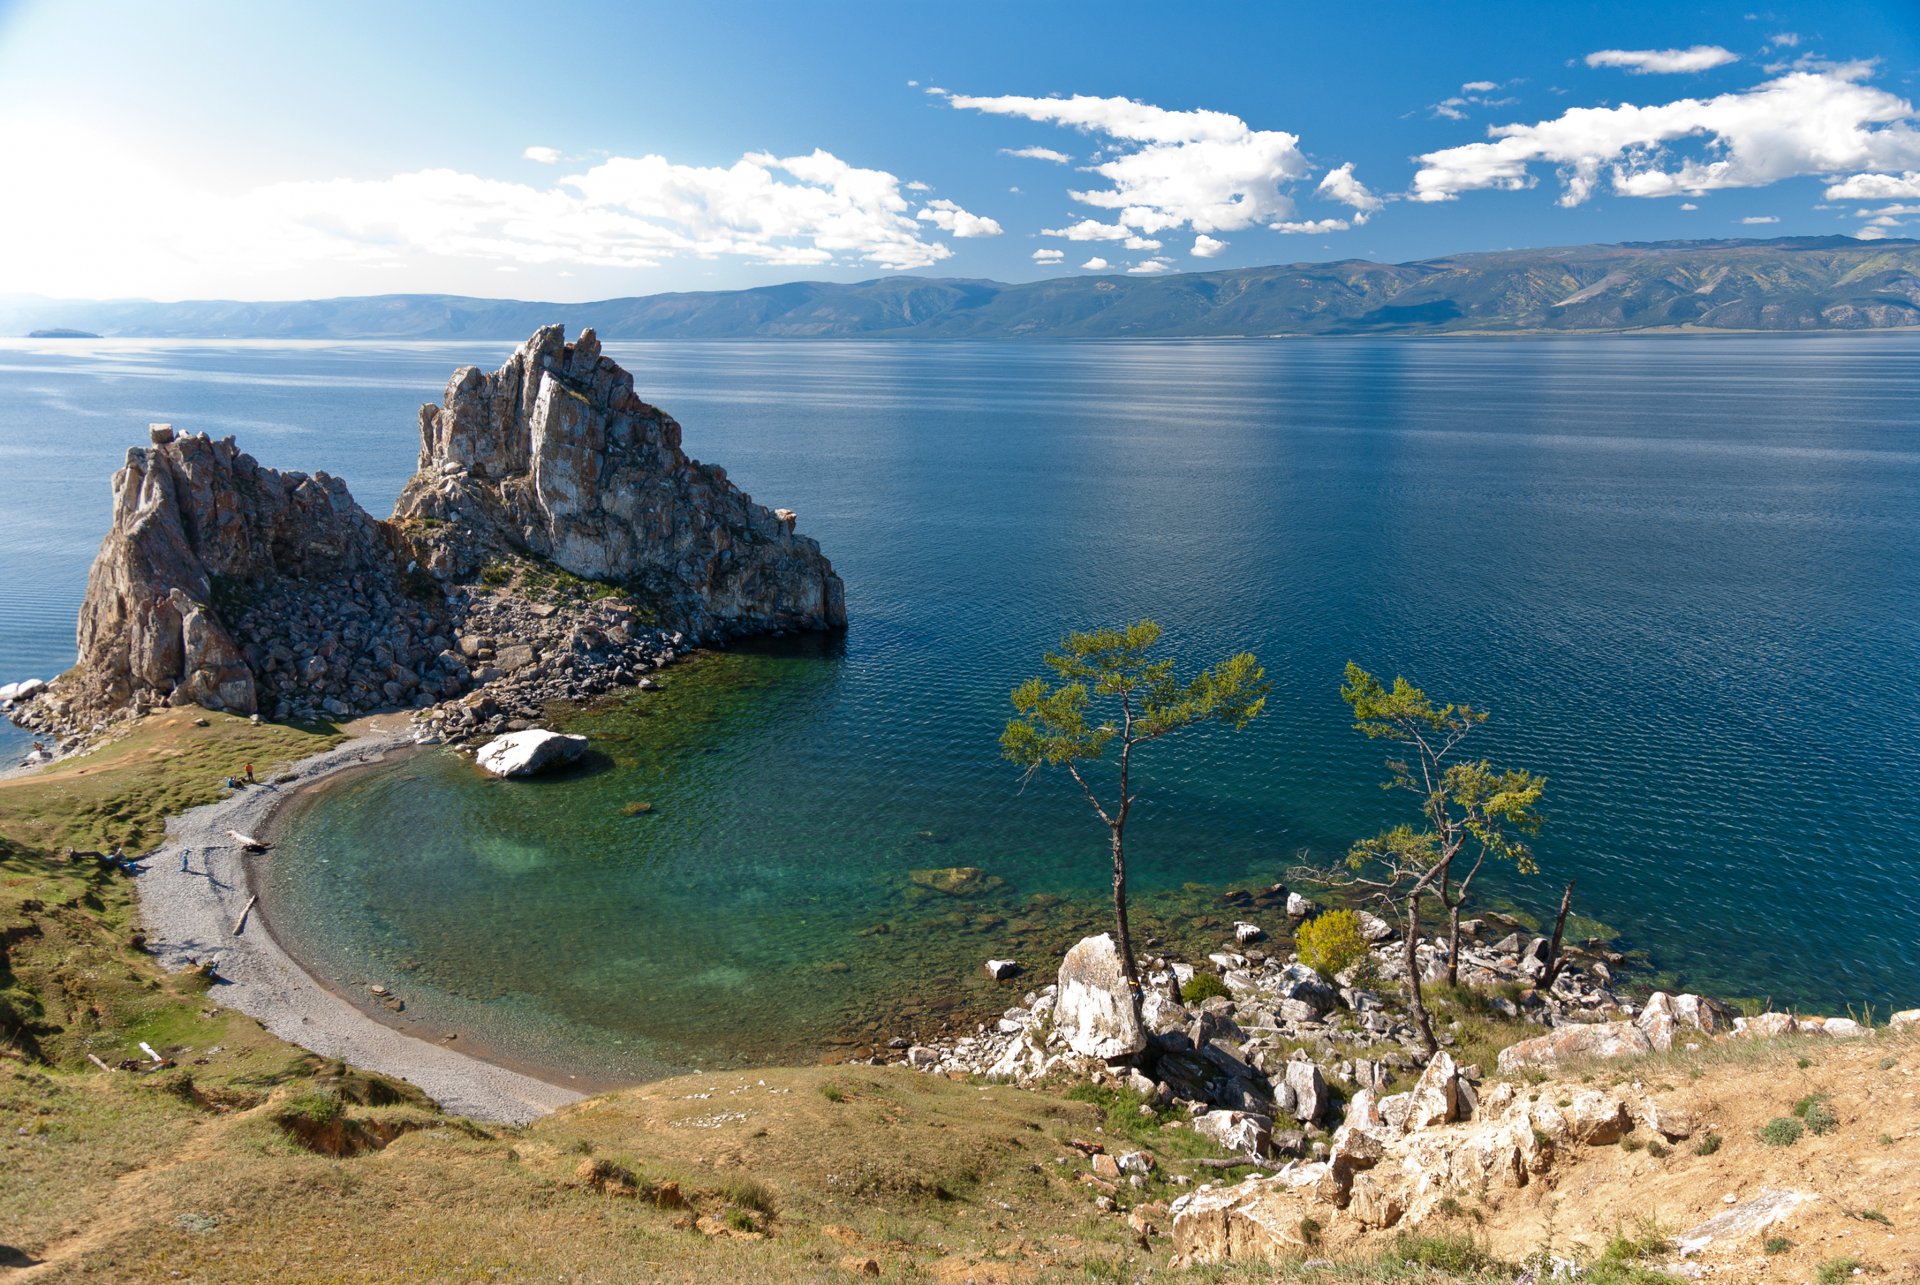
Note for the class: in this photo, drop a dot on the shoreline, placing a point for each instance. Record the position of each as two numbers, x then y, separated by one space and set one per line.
188 917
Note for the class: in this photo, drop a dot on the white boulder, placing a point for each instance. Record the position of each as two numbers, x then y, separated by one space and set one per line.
524 753
25 689
1094 1010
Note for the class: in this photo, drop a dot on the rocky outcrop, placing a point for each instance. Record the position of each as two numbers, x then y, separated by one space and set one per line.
555 542
554 455
199 531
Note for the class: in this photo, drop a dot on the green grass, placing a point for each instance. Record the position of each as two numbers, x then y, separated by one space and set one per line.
1835 1270
1203 987
1781 1131
1707 1145
1776 1245
1816 1112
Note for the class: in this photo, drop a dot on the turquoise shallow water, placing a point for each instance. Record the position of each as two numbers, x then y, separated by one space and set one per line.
1682 573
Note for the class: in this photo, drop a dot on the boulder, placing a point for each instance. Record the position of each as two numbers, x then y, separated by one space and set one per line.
1763 1026
1595 1040
1741 1222
25 689
1298 907
1001 969
1246 934
1435 1099
1259 1220
1309 1089
528 752
1094 1009
1905 1017
1375 929
1239 1132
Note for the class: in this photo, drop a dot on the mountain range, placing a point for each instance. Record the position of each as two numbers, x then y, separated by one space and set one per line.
1787 283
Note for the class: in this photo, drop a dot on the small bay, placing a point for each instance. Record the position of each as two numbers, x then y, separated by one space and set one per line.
1682 573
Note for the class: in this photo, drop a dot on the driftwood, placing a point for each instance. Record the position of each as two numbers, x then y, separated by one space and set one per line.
148 1050
248 842
241 922
97 1062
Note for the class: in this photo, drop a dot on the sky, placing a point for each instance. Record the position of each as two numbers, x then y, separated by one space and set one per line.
201 149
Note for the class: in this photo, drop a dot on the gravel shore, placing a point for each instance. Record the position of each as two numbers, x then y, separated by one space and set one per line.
189 916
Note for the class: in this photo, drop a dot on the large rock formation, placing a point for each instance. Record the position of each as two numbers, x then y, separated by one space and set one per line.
555 456
199 531
555 541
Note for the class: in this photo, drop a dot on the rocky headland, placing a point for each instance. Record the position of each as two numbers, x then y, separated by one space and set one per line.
555 542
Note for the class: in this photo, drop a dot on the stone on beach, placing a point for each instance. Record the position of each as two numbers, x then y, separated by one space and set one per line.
1588 1040
528 752
1001 969
1094 1011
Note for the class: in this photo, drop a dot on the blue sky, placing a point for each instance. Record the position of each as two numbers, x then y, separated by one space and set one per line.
575 152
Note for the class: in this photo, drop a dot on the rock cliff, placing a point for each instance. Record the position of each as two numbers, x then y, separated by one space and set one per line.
554 455
555 541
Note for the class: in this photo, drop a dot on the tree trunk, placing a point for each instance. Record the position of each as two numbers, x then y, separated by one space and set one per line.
1120 914
1453 945
1416 1006
1554 959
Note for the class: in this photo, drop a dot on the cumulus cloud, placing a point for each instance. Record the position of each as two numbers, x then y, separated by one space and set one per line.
1472 94
1096 264
1206 170
1148 267
1206 247
1641 62
1688 205
545 155
948 217
918 186
1049 256
1754 220
1876 187
625 212
1038 154
1311 226
1340 185
1785 39
1805 122
1095 230
1479 86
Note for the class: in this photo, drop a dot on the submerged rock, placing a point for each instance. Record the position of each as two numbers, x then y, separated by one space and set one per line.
528 752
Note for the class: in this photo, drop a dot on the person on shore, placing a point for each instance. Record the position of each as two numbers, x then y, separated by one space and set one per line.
249 774
183 861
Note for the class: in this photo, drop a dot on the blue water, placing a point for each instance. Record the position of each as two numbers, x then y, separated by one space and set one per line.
1684 574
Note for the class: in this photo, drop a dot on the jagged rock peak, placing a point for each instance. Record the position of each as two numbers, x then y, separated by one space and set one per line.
192 516
554 455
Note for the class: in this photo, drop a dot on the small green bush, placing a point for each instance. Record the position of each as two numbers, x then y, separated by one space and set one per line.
1835 1270
1707 1145
1310 1231
833 1092
1816 1113
1776 1244
1781 1131
1204 986
1871 1216
1330 943
321 1108
748 1194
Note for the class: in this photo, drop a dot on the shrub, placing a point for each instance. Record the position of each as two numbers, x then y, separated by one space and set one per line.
1204 986
1781 1131
1330 943
1835 1270
1310 1230
321 1108
833 1092
748 1194
1776 1244
1707 1145
1816 1113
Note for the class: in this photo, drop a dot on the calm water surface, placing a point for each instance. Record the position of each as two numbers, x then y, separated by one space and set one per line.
1683 574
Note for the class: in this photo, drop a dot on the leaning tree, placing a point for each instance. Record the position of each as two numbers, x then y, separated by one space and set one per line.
1109 692
1469 813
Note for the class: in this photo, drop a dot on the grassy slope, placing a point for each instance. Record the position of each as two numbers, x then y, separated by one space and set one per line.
796 1174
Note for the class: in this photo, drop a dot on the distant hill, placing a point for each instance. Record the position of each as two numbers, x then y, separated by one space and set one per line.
1789 283
61 334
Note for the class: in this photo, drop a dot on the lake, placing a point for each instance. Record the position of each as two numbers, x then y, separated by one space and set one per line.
1682 573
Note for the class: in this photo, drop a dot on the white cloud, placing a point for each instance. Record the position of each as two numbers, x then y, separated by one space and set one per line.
1786 39
1340 185
918 186
1479 87
1871 234
1141 243
1688 205
1096 264
1311 226
1038 154
1641 62
1149 267
1205 247
1802 123
1876 187
1202 169
948 217
1888 211
1753 220
545 155
153 232
1049 256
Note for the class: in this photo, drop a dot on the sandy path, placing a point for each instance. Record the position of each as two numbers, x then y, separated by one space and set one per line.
189 916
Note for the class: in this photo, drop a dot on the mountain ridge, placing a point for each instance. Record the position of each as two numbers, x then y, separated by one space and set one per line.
1777 284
